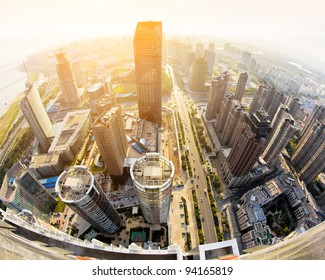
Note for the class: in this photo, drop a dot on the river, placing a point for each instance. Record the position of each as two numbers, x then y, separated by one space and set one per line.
12 83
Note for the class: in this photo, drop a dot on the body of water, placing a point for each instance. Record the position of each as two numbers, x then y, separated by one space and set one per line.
12 83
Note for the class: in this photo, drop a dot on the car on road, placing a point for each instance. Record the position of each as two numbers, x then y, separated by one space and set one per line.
201 199
205 191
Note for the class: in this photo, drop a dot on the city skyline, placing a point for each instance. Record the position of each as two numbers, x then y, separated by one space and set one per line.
34 26
155 144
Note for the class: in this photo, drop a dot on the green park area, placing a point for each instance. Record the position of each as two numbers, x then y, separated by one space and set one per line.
7 119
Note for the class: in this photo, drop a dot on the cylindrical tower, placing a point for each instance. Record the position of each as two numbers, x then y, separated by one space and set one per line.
152 176
81 192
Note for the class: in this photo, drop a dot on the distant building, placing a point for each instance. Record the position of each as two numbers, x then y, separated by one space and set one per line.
252 65
199 50
21 190
95 92
209 57
148 66
67 79
198 77
36 116
76 68
152 176
309 156
80 191
249 144
111 139
216 95
72 134
241 84
247 56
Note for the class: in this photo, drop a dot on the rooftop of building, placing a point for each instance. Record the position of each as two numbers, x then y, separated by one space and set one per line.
74 184
72 124
106 100
152 170
95 87
106 116
44 159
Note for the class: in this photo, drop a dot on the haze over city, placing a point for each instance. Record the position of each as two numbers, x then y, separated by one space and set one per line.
35 25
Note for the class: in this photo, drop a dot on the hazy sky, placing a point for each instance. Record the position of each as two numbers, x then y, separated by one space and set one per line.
33 25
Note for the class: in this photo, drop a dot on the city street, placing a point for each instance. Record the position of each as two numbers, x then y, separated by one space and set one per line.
198 181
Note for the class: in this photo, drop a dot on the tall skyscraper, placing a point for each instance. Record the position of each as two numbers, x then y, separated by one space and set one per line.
234 121
262 98
67 79
224 112
241 84
199 72
318 113
36 116
249 144
278 98
209 57
294 105
21 190
216 95
246 59
110 137
148 66
152 176
80 191
309 156
199 50
281 134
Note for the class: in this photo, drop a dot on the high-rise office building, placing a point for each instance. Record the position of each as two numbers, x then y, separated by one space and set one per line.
95 92
148 67
252 65
199 50
224 112
246 59
36 116
152 176
309 156
241 84
199 72
21 190
281 134
209 57
318 113
216 95
111 139
249 144
67 80
80 191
